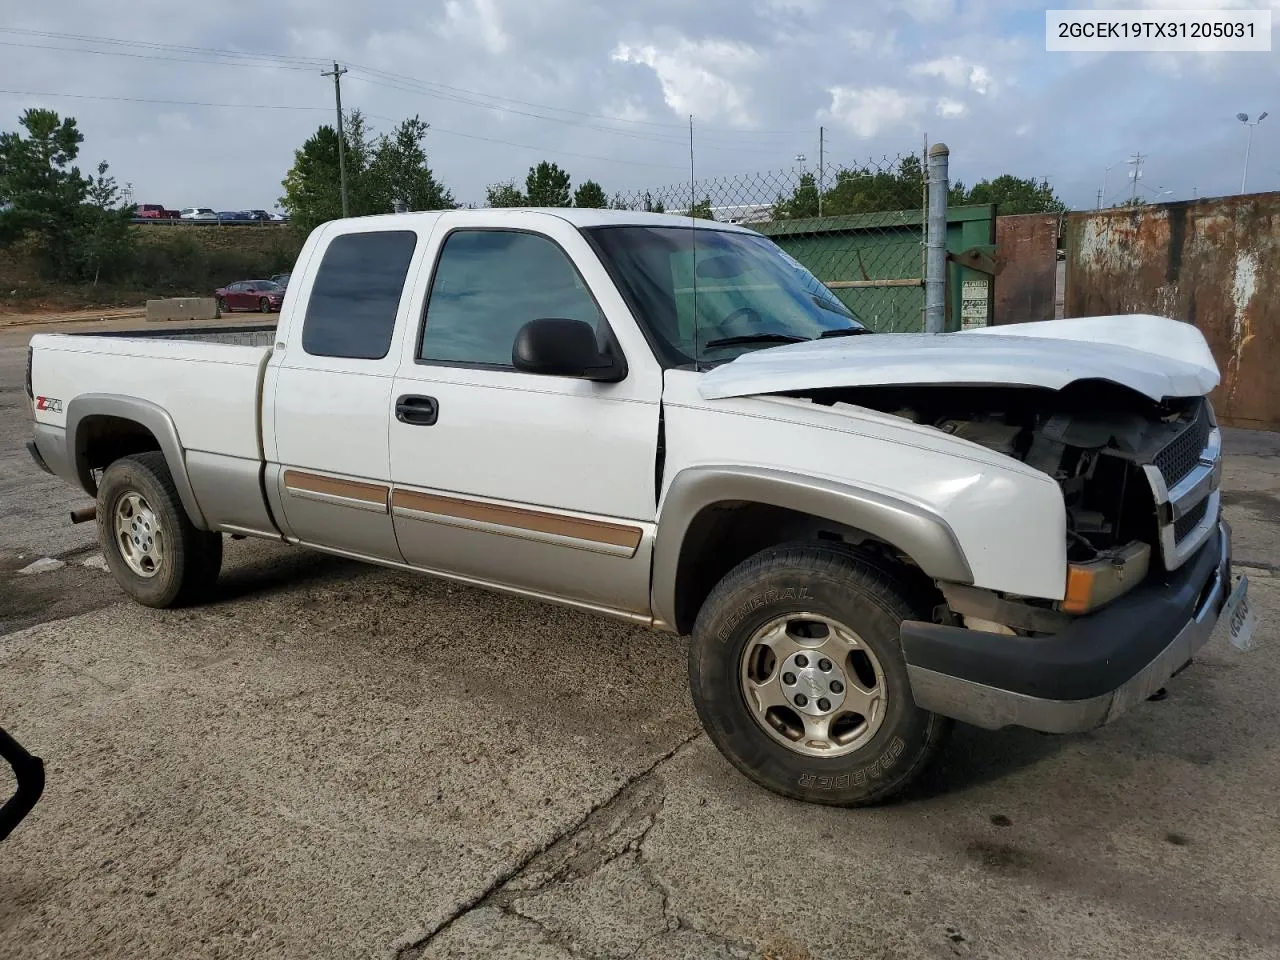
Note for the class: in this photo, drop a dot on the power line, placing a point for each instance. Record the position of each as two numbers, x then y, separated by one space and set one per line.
376 116
146 56
308 63
178 103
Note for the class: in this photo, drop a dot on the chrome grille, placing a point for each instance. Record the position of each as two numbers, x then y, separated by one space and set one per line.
1180 457
1184 478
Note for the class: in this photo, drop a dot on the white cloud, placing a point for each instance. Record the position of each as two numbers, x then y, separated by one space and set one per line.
472 20
951 108
627 111
927 11
868 110
697 77
957 72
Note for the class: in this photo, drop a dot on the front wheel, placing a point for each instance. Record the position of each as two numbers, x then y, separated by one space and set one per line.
264 305
799 680
222 305
150 544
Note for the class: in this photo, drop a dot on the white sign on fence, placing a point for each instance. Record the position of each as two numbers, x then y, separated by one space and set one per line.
974 303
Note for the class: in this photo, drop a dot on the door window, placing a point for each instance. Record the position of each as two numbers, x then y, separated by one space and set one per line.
356 295
490 283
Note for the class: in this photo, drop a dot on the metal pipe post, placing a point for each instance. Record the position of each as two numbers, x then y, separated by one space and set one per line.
935 274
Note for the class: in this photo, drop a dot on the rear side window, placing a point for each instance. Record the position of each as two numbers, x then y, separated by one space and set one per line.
352 310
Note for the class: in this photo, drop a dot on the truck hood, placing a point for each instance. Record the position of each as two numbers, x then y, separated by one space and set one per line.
1155 356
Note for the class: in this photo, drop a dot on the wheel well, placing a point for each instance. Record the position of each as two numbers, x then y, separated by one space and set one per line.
724 534
101 440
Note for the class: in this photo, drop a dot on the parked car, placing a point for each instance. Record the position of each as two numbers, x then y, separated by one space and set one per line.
282 279
866 535
198 213
259 215
232 216
153 211
261 295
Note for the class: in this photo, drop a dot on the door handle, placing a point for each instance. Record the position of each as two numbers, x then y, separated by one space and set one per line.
417 411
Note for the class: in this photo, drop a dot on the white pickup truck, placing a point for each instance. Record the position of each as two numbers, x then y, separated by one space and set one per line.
673 422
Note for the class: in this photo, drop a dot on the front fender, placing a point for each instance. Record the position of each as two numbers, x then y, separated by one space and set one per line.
917 531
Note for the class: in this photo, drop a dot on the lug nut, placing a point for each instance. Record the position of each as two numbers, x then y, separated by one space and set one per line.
824 703
837 686
789 679
801 700
824 664
802 661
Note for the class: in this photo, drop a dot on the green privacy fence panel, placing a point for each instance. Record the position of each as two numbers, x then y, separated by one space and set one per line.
874 262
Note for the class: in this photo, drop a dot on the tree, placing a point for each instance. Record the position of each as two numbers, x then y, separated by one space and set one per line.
547 186
590 194
312 187
1016 195
702 210
803 202
504 195
380 171
75 221
398 171
106 242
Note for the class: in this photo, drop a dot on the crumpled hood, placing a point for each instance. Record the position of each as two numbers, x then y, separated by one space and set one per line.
1155 356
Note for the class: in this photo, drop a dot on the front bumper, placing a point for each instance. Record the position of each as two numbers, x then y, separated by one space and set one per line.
1088 674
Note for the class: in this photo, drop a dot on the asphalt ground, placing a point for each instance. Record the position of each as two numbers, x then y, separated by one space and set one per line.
334 760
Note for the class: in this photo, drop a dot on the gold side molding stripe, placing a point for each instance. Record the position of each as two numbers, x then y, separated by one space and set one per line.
369 495
574 528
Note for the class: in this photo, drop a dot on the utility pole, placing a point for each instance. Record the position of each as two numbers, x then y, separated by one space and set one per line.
1106 175
822 155
342 152
1099 206
1135 175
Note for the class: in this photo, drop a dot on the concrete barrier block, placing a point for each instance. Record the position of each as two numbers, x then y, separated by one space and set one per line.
183 308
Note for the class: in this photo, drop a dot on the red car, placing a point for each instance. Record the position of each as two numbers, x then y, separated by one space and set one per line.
154 211
261 295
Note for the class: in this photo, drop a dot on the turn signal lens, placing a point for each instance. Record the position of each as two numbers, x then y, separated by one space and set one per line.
1095 584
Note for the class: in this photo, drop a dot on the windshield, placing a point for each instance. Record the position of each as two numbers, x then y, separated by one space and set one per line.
750 294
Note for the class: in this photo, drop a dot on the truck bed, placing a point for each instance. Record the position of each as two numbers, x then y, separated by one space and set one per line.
207 379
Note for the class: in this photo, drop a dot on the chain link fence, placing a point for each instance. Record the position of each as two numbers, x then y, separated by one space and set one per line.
859 228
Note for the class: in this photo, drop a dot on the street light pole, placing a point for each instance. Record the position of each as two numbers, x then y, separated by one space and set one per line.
1244 118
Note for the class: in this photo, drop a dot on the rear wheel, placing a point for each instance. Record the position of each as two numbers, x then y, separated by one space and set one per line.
222 305
151 547
799 680
264 305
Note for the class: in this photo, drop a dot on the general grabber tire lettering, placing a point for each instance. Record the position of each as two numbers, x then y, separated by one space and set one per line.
152 549
798 676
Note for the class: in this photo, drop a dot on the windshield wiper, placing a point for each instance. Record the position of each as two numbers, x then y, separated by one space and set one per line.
756 338
843 332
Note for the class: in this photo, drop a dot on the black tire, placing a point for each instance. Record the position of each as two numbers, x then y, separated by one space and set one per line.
833 581
264 305
188 571
222 306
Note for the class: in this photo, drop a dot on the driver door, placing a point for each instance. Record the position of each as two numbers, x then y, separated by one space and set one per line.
540 484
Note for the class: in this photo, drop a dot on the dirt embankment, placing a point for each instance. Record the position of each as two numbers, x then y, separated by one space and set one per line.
165 261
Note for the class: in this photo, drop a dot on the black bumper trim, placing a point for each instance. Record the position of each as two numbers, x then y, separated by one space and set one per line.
1093 656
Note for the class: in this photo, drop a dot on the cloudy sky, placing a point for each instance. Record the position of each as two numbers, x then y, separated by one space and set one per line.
205 103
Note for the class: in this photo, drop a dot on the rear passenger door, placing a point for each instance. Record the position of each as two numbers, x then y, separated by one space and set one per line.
328 393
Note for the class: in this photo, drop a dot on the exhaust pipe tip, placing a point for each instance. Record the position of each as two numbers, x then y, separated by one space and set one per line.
84 514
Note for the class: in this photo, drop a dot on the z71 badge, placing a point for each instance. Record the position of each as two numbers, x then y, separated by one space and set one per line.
49 403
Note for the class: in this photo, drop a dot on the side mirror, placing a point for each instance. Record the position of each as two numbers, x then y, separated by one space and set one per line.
564 348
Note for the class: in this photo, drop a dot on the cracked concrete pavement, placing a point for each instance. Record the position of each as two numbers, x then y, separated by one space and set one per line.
337 760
